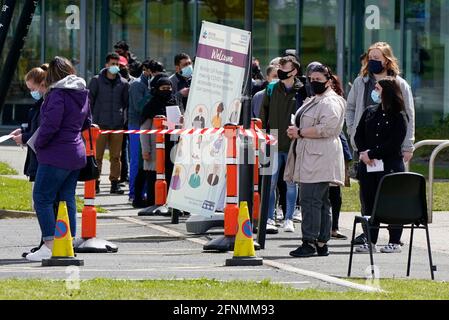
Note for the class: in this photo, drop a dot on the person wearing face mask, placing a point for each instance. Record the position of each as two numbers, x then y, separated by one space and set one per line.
182 78
139 95
315 159
162 96
280 102
35 82
109 99
380 135
124 172
378 63
334 190
256 102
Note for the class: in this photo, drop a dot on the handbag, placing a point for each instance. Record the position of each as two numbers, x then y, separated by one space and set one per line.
90 171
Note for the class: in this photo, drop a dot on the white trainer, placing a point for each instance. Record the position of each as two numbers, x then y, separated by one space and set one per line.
43 253
289 226
271 227
391 248
364 248
279 213
297 216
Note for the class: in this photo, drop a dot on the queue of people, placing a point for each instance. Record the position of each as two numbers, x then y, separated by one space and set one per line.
306 113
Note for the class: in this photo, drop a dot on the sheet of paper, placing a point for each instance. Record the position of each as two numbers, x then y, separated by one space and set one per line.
378 166
173 116
4 138
32 140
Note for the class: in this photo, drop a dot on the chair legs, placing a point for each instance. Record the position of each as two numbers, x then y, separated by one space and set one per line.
368 236
352 248
432 267
410 250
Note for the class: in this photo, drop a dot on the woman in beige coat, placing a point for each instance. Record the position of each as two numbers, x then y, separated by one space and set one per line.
316 159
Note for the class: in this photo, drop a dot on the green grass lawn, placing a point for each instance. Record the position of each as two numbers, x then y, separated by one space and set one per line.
17 196
204 289
439 172
351 201
5 169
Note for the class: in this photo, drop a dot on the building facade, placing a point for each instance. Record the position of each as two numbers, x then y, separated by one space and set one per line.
335 32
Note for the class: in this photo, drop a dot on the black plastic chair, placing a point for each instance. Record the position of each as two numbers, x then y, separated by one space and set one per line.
400 200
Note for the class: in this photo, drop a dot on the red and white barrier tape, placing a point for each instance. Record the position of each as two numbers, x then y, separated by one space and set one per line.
206 131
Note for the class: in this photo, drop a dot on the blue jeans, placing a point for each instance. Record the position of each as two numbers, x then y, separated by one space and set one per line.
54 184
134 158
292 189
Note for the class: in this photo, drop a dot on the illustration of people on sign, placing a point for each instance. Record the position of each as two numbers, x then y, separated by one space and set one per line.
217 119
213 178
235 107
216 146
176 179
199 121
196 150
195 179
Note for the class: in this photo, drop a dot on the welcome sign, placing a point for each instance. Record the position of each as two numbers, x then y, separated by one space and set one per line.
214 100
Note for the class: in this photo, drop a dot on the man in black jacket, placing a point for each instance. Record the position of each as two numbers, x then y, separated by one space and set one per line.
182 78
134 65
108 96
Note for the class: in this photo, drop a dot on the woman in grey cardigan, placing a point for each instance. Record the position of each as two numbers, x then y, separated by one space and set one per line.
378 63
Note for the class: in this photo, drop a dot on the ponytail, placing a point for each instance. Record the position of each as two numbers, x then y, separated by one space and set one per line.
336 85
38 74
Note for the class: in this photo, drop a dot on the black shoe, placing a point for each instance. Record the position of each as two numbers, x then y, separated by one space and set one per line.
306 250
124 180
338 235
97 187
361 239
322 251
115 188
139 204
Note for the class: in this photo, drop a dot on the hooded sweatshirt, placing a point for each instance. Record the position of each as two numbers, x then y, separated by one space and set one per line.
64 115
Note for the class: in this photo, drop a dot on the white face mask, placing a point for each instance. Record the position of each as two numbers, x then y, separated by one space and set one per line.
114 69
376 96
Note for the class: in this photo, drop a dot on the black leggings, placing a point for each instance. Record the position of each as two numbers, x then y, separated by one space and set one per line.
335 199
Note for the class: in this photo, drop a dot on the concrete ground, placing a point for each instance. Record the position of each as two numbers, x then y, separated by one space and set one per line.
153 248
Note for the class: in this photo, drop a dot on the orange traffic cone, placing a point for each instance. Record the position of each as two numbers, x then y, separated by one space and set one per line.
244 253
62 254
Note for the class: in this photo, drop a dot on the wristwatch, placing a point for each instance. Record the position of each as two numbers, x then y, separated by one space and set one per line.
299 133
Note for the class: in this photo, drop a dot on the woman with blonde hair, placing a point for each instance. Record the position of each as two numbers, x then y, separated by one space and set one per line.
378 63
35 82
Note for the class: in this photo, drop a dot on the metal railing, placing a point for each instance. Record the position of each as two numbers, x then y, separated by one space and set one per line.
440 145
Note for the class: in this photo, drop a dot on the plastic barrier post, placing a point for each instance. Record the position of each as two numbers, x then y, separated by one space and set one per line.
256 202
88 242
160 186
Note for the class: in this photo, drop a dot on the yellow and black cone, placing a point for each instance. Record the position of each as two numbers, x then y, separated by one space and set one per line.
244 253
62 254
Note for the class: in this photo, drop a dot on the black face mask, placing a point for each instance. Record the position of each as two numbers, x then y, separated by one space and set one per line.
165 94
318 87
124 73
282 75
375 66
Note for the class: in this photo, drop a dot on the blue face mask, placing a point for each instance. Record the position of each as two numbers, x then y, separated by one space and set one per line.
376 97
187 71
36 95
114 69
